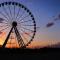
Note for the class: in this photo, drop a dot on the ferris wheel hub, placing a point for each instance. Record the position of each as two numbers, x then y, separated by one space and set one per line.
14 23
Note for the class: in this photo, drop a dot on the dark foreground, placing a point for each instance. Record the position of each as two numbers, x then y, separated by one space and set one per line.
37 54
29 51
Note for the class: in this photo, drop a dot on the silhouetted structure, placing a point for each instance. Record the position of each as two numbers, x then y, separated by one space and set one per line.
18 25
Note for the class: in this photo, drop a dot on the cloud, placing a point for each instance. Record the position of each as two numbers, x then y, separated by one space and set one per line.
0 32
50 24
1 20
57 18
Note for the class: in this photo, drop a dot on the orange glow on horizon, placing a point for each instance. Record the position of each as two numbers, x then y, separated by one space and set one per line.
2 36
34 44
41 44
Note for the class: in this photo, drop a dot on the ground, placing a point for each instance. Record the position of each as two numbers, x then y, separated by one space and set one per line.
37 54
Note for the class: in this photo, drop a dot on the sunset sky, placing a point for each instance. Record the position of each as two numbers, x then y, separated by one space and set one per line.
44 11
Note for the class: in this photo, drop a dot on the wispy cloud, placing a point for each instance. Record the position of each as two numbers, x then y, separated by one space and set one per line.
50 24
55 18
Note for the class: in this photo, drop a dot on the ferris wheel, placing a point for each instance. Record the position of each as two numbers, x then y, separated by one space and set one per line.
16 20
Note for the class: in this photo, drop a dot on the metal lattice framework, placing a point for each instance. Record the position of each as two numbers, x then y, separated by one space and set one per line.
15 16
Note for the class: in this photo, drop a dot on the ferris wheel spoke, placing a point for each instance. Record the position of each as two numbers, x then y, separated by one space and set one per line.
25 32
27 25
24 37
24 18
20 15
28 29
17 14
14 11
10 11
4 16
6 12
4 28
25 21
4 23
